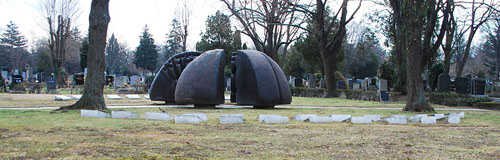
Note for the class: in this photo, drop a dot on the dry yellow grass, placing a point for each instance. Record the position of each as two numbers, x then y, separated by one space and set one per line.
41 135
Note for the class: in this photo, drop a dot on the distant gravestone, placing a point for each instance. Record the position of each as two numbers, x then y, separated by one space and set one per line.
110 80
187 119
373 118
133 96
79 79
397 119
317 119
76 97
383 86
231 119
202 116
51 85
341 85
364 85
124 115
16 79
113 97
351 83
121 81
463 85
93 113
160 116
361 120
135 80
62 98
270 119
478 86
298 82
303 117
428 120
340 118
322 83
454 119
5 74
416 118
444 83
384 96
147 97
356 87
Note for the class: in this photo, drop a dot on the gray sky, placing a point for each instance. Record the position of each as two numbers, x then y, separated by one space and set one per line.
128 18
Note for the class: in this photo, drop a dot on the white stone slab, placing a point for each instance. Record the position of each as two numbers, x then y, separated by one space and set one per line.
439 116
303 117
146 97
227 97
461 114
93 113
341 117
428 120
124 115
113 97
231 119
397 119
202 116
266 118
62 98
454 119
76 97
133 96
373 118
161 116
416 118
317 119
361 120
187 119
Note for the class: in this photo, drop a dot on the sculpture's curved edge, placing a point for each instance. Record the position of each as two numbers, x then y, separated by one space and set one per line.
164 82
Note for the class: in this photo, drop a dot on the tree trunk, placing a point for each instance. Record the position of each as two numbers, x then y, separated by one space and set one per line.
330 66
98 27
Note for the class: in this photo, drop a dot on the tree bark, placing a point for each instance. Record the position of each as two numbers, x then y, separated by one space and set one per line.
98 27
330 66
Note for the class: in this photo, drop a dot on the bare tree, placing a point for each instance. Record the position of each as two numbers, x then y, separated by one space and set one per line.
59 15
480 12
269 24
329 32
183 15
98 27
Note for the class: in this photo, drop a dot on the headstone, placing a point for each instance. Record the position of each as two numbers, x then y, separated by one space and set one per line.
160 116
383 85
110 80
317 119
79 79
121 81
228 84
93 113
416 118
113 97
24 76
341 85
428 120
51 85
266 118
146 96
76 97
397 119
364 85
478 86
444 83
135 80
384 96
496 88
133 96
361 120
439 116
231 119
460 114
123 115
340 118
455 119
187 119
16 79
298 82
322 83
202 116
373 118
351 83
62 98
463 85
356 87
303 117
5 74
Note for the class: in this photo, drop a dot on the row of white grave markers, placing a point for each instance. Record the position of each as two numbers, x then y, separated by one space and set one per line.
109 97
453 118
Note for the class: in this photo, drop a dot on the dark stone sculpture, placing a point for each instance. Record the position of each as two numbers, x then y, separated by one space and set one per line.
165 82
257 80
202 81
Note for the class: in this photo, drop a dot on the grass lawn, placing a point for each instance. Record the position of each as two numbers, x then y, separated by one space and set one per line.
47 100
38 134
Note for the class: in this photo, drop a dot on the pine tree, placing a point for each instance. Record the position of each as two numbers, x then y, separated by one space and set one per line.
146 54
174 40
12 37
84 50
115 55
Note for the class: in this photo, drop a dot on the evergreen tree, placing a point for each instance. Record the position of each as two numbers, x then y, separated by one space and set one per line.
12 37
492 49
146 54
84 50
174 40
218 35
115 55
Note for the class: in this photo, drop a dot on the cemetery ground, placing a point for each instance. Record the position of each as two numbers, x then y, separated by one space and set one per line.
40 134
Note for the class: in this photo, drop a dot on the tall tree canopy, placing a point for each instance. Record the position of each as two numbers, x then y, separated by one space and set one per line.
146 54
115 55
174 40
12 37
